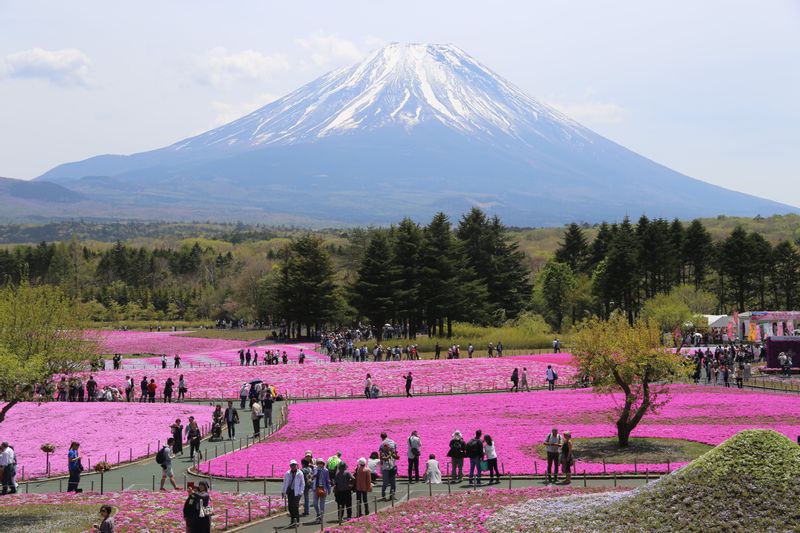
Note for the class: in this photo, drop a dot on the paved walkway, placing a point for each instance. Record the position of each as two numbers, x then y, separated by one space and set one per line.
413 492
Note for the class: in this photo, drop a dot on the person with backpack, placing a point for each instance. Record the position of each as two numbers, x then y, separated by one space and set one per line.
388 455
322 487
553 443
475 455
307 471
551 378
164 458
414 445
456 454
75 467
168 386
343 484
363 478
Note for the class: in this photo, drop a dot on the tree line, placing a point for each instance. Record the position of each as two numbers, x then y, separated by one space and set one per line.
628 264
424 277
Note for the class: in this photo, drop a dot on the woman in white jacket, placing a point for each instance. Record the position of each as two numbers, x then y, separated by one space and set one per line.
432 472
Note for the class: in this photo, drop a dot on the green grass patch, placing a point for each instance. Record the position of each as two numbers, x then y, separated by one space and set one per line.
231 334
36 518
639 450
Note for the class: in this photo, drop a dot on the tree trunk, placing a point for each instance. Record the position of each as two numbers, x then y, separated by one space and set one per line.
449 328
6 408
626 423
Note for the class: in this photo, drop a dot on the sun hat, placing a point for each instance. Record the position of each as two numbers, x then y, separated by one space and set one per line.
362 461
292 462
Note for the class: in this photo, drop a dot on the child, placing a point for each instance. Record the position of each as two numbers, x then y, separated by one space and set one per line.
432 472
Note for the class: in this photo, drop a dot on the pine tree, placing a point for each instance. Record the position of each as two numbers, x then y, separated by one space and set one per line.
374 288
439 273
407 245
600 245
574 249
557 282
785 275
618 280
496 262
305 288
698 251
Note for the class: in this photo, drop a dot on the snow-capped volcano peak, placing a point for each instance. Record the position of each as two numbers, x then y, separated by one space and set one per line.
401 85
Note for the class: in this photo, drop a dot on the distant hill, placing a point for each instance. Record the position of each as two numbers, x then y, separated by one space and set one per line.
411 130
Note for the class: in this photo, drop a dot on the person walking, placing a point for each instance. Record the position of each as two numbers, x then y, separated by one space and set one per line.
256 414
363 482
143 388
322 487
456 454
8 465
266 405
166 456
553 443
474 451
414 445
195 509
388 456
556 345
75 467
128 389
231 419
524 384
343 484
177 360
193 436
567 459
515 381
491 459
551 377
738 376
243 395
293 485
177 437
163 360
307 469
433 474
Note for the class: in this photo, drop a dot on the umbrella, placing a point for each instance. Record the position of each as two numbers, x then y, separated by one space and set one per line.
256 382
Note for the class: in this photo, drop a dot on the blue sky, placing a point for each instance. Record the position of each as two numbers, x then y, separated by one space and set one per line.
711 88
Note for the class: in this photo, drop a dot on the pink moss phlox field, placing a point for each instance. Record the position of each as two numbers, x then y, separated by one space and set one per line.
142 511
342 379
517 422
466 511
101 428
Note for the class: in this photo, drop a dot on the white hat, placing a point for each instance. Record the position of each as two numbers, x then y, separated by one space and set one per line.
292 462
362 461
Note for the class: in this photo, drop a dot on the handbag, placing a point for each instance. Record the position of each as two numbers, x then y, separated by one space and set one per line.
321 492
205 512
484 465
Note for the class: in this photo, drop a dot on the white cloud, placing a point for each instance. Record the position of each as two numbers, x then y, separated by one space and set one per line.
66 67
220 67
591 112
329 49
228 112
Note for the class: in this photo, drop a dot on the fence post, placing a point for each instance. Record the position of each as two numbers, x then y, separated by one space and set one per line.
584 478
154 482
226 519
635 471
604 466
122 484
249 513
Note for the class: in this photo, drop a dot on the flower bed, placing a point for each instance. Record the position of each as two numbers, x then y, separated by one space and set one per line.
157 512
467 511
103 429
517 422
193 350
315 379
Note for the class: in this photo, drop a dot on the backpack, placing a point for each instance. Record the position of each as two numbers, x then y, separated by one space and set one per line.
161 456
474 448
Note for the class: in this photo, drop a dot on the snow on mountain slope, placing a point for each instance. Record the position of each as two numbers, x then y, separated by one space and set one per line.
403 85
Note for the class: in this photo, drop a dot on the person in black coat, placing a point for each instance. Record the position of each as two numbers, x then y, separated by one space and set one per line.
198 499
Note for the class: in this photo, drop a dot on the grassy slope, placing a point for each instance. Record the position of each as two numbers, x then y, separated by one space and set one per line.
748 483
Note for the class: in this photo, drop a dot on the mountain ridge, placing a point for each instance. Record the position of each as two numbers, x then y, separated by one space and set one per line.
416 129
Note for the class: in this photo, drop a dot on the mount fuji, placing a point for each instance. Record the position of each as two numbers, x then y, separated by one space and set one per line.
411 130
